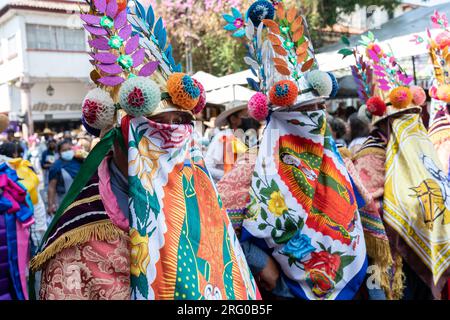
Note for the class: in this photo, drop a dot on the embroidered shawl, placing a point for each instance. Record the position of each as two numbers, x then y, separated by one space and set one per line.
417 202
304 209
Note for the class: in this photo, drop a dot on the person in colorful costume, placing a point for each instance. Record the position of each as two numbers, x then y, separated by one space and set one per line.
18 200
143 219
439 128
397 144
302 212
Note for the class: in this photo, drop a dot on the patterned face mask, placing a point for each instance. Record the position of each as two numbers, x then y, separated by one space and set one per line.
182 243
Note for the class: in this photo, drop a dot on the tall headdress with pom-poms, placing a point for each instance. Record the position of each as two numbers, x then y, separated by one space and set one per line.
281 56
382 84
438 48
134 68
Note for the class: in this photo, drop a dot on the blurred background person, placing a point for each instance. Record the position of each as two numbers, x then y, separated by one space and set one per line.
61 175
359 130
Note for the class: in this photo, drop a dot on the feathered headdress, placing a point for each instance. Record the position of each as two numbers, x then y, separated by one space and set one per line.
440 57
382 84
281 56
127 48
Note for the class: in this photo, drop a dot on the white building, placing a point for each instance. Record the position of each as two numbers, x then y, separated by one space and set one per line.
44 67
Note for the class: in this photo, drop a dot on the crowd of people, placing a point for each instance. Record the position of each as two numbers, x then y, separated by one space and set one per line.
280 200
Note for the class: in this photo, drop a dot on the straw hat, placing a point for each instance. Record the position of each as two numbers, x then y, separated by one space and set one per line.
221 119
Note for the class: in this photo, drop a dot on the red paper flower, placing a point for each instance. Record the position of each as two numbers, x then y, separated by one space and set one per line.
376 106
136 98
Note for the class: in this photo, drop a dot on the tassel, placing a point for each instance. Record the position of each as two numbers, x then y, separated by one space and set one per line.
98 231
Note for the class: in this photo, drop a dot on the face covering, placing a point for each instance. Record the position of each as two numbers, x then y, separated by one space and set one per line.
67 155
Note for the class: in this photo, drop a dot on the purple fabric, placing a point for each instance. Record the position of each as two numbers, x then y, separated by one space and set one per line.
5 288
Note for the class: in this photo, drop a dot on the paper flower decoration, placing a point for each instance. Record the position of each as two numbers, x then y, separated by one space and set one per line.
98 109
443 40
439 21
235 23
376 106
183 91
283 93
202 100
400 97
116 53
258 106
418 94
259 11
139 96
89 129
321 82
443 93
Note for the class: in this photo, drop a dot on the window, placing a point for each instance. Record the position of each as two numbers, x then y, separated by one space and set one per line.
12 47
55 38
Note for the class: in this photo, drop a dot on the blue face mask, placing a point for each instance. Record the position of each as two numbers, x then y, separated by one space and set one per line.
67 155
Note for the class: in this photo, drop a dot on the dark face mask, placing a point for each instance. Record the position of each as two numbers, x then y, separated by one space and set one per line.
249 123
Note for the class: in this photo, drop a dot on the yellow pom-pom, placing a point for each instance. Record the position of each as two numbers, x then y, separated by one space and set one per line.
443 93
400 97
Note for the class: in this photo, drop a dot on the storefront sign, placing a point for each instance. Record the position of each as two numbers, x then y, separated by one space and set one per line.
45 107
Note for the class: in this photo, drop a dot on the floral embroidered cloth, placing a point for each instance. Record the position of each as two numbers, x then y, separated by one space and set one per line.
419 210
303 207
94 270
183 245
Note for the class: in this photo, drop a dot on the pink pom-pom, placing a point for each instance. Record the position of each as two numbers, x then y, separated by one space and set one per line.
257 106
433 92
202 100
419 95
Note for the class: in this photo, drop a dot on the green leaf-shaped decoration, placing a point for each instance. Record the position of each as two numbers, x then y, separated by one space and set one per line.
345 40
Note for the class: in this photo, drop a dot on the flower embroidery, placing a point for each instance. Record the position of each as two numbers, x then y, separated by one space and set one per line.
299 246
144 162
140 258
277 205
322 269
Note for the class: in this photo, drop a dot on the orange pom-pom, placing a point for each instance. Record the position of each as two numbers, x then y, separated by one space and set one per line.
376 106
183 90
400 97
443 93
283 93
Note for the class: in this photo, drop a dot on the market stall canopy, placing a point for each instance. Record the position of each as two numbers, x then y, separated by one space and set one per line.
396 34
224 90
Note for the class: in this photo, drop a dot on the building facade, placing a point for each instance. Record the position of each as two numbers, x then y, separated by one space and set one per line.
44 66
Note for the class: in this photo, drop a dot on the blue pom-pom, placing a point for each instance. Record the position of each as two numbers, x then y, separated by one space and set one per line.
89 129
335 89
260 10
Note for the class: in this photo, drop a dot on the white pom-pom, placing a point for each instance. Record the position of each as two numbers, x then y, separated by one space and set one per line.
139 96
98 109
321 82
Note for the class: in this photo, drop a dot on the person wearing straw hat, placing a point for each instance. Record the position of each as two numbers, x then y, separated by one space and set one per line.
406 200
302 233
143 220
228 142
